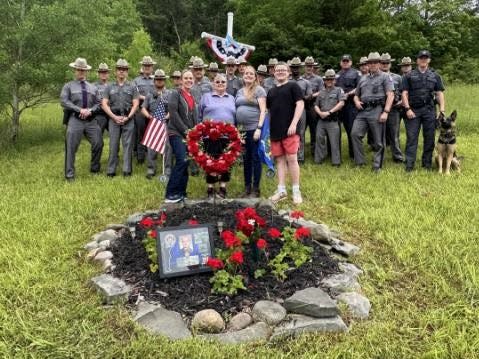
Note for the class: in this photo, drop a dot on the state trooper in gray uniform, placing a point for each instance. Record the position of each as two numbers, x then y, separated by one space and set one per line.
317 84
78 99
269 83
120 102
144 85
373 99
394 118
212 71
202 84
262 74
149 106
329 101
101 84
233 83
307 91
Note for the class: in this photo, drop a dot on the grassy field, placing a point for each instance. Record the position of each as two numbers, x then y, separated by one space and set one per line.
418 232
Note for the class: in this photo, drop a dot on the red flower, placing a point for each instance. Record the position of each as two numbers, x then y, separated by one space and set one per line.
261 243
215 263
243 226
274 232
250 212
214 134
230 239
152 234
147 222
193 147
302 232
236 257
297 214
260 221
193 221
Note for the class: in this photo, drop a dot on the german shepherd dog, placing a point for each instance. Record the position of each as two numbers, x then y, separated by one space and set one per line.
446 157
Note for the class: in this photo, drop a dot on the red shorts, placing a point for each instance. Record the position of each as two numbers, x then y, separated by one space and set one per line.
286 146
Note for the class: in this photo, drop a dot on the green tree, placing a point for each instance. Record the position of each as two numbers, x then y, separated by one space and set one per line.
139 47
39 39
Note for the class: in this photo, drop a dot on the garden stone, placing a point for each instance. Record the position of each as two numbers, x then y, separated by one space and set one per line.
168 207
92 254
108 235
351 269
144 308
107 264
104 244
358 305
283 212
134 219
239 321
321 233
116 226
341 283
346 249
298 324
264 204
164 322
247 202
103 256
207 321
112 289
257 332
91 245
313 302
269 312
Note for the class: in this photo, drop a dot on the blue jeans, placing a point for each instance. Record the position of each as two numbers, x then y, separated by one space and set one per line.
179 174
426 118
252 167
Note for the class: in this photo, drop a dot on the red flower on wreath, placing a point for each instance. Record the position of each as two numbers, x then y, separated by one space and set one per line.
230 239
152 234
214 130
297 214
261 244
193 221
236 257
274 232
215 263
147 222
302 232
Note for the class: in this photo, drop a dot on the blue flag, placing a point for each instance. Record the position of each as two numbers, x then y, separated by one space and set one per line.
264 150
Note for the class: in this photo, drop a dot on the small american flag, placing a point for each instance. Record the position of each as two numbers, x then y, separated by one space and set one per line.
155 134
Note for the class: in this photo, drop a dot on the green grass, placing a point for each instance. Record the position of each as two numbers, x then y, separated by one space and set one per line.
418 233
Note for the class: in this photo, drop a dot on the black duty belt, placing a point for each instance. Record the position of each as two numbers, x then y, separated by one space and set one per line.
372 104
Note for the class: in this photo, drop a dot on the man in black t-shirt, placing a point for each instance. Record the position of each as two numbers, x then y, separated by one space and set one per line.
285 104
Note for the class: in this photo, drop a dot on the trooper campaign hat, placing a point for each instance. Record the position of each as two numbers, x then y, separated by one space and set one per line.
296 62
329 75
103 67
309 61
122 64
272 62
262 70
405 61
374 57
198 63
80 64
147 61
230 60
160 75
213 67
363 61
176 74
386 58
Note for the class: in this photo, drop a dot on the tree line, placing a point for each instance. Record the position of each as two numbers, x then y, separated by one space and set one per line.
40 37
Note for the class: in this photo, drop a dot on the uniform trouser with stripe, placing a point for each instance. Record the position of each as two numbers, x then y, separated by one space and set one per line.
302 131
426 118
392 134
127 134
325 130
366 119
152 163
75 131
140 127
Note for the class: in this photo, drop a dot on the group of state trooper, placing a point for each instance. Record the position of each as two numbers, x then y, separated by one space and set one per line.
370 101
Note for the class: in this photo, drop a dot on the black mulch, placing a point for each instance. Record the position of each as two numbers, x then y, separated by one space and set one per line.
189 294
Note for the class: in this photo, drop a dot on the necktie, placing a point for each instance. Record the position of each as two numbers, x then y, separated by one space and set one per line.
84 95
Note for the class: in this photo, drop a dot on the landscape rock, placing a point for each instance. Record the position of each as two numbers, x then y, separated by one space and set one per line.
104 244
132 220
298 324
269 312
239 321
112 289
116 226
164 322
103 256
144 308
314 302
345 248
351 269
207 321
264 204
341 283
108 235
358 305
92 254
91 245
107 265
257 332
321 233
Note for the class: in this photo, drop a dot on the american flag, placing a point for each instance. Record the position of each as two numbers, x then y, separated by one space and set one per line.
155 134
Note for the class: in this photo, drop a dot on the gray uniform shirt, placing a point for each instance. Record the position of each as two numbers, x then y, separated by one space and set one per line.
374 86
328 98
397 82
316 82
100 89
269 83
72 98
144 85
121 97
233 85
152 100
247 112
304 85
200 88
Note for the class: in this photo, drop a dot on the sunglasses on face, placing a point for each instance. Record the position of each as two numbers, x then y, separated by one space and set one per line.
345 60
220 82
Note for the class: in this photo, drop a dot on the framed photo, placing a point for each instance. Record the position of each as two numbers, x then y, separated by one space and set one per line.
184 250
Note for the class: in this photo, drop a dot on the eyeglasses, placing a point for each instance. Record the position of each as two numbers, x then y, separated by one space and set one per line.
122 69
220 82
281 70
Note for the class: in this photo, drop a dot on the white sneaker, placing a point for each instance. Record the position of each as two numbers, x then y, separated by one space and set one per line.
297 198
278 196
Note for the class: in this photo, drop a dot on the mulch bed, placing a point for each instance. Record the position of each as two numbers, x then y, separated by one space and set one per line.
190 294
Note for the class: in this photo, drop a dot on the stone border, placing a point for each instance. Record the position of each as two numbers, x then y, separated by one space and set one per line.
307 310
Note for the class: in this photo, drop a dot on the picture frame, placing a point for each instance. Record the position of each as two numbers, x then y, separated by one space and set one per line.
184 250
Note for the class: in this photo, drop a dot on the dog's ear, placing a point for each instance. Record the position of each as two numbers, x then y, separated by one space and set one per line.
453 115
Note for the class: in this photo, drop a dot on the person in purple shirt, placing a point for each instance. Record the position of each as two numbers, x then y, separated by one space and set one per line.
217 105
